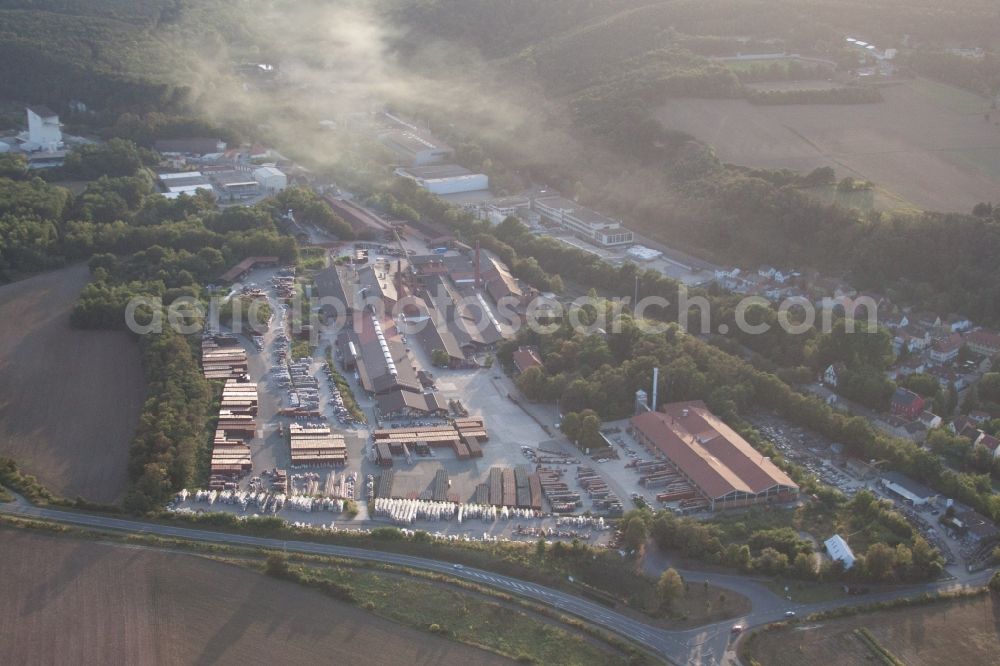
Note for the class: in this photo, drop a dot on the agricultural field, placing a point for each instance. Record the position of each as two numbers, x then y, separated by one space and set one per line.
89 602
959 632
71 398
950 168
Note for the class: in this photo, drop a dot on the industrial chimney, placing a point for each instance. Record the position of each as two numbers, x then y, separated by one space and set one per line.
656 381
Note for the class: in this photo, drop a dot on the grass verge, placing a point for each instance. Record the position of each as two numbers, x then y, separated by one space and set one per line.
461 615
806 593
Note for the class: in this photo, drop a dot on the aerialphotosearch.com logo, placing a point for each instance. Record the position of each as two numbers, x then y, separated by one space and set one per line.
477 314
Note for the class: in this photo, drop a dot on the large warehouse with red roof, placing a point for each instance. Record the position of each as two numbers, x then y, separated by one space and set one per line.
722 466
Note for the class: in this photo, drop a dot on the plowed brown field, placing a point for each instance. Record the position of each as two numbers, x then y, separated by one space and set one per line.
82 602
69 399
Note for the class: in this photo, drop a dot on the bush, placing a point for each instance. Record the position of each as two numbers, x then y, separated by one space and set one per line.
24 484
994 583
277 565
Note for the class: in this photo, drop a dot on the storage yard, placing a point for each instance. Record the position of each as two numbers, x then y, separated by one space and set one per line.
428 460
222 357
53 422
315 445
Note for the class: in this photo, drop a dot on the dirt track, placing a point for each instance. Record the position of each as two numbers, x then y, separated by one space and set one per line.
69 399
82 602
927 142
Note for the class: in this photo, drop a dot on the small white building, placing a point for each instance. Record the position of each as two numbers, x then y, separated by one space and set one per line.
272 180
446 178
44 130
838 550
183 182
498 210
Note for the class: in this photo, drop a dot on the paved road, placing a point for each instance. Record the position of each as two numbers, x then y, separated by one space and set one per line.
704 645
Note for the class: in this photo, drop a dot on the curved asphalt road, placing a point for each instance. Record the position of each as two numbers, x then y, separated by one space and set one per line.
704 645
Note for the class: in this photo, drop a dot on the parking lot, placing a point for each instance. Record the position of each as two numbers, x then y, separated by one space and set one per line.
809 450
816 454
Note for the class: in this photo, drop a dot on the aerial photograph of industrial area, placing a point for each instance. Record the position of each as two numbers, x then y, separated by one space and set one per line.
558 332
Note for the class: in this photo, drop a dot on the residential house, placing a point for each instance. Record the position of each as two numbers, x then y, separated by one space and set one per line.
984 342
963 426
753 285
960 423
990 443
906 404
833 373
926 319
912 337
772 273
947 376
979 417
929 420
911 366
956 324
945 350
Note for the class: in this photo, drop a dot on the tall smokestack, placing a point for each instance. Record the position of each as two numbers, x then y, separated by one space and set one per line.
656 382
478 273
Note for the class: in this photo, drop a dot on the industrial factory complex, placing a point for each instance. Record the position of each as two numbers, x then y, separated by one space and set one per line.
395 406
712 461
